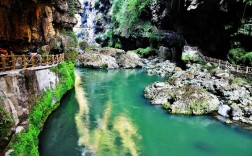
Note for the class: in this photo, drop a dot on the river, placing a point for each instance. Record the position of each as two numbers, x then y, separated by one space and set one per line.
106 114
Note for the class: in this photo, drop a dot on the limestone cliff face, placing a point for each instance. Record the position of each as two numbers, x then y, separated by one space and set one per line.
18 91
208 24
34 21
19 94
27 97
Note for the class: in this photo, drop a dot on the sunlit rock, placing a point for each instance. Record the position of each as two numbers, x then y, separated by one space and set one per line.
224 110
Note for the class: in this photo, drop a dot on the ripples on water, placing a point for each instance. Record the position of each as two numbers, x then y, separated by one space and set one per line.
107 115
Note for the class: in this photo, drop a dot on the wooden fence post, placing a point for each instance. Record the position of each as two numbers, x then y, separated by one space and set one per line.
32 61
46 59
52 59
247 68
40 60
3 62
13 62
24 61
60 57
57 57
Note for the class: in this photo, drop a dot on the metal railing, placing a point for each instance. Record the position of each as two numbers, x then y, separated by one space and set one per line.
13 62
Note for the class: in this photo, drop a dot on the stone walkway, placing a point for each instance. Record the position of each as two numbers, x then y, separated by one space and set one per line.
13 72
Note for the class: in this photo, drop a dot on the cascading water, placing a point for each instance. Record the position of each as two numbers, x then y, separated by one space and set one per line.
85 29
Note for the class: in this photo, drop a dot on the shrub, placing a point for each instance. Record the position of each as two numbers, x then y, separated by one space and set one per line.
84 46
117 44
128 19
126 12
71 7
71 55
72 40
240 56
55 44
5 123
187 57
146 52
247 58
239 81
248 1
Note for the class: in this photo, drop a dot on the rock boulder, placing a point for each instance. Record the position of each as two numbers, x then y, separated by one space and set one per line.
96 60
129 60
188 99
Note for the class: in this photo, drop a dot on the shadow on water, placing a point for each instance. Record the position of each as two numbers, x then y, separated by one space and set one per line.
61 126
203 146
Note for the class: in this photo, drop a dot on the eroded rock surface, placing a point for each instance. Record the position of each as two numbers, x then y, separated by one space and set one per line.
110 58
202 89
158 67
96 60
18 89
33 21
188 99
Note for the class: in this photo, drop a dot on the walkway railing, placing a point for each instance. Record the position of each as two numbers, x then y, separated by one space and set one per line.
13 62
221 63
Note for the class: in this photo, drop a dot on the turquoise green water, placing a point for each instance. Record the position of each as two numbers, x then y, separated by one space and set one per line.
106 114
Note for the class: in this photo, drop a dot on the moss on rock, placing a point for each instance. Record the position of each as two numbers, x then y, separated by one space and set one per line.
26 143
146 52
5 123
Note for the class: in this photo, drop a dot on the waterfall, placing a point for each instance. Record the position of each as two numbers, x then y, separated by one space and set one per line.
85 29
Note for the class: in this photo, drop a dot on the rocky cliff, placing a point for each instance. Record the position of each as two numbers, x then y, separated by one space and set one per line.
27 24
27 98
215 26
19 88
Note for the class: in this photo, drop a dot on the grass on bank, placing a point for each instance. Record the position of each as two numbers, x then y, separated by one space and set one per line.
26 143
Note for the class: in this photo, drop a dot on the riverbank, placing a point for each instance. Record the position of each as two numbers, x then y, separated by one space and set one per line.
41 96
107 114
199 89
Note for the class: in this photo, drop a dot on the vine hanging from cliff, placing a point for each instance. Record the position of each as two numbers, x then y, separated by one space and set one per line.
248 1
5 123
125 14
72 8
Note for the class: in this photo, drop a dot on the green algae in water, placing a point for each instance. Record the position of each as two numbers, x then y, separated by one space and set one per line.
107 114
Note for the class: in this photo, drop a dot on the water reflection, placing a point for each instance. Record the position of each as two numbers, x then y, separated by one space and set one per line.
128 132
82 117
109 116
113 134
